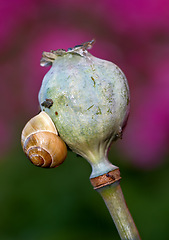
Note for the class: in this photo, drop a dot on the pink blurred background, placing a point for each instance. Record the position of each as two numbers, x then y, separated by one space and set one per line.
132 34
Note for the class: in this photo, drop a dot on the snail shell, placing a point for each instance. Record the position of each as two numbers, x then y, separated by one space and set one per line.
41 143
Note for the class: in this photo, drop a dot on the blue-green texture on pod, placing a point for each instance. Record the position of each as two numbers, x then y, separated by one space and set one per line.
90 102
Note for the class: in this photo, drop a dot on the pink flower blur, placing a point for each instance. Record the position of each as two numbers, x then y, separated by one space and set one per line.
132 34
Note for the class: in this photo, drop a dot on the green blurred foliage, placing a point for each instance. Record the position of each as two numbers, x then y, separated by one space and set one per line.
60 203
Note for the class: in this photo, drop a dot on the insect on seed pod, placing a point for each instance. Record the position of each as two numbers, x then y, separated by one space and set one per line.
41 143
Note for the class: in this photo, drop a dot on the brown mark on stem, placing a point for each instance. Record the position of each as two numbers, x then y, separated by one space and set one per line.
106 179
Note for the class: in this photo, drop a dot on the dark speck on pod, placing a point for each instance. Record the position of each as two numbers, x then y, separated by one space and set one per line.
47 103
93 81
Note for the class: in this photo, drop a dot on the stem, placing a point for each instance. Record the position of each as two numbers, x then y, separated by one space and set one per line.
114 199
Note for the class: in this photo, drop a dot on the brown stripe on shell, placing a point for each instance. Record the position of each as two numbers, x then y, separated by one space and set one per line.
49 146
39 157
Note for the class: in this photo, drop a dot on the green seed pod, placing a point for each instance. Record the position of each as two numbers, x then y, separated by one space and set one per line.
88 100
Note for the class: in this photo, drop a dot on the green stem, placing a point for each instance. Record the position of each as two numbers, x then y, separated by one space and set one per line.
114 199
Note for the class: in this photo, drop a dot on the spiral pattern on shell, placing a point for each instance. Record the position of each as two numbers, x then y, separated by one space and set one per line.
41 143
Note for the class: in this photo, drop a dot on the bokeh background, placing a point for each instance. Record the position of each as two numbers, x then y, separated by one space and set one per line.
48 204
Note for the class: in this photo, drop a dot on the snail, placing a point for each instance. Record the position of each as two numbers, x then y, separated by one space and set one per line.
41 143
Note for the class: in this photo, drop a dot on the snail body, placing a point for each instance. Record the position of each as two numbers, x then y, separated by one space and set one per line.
41 143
